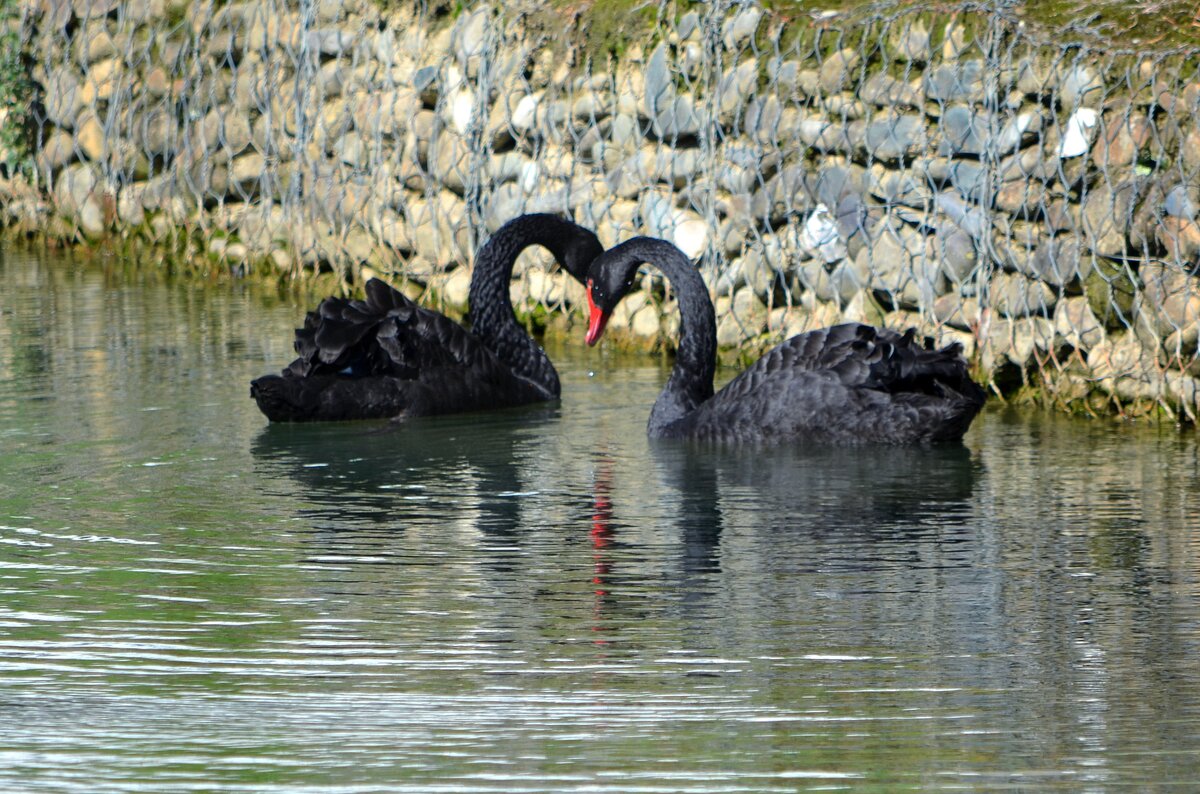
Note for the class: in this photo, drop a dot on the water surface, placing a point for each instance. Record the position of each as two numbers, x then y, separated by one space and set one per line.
541 600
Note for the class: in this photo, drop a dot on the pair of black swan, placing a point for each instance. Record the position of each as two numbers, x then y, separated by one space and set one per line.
388 357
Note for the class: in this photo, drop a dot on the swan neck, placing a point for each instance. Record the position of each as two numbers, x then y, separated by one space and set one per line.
492 318
691 380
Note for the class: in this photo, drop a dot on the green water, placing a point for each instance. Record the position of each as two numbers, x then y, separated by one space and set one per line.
539 600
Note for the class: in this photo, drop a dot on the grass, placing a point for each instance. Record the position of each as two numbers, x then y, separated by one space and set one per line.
608 27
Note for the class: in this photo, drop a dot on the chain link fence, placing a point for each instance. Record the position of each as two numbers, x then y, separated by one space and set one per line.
949 168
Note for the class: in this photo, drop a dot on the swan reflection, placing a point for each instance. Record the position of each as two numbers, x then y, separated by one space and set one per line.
797 496
397 474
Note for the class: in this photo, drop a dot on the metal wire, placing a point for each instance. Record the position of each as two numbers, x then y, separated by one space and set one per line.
949 168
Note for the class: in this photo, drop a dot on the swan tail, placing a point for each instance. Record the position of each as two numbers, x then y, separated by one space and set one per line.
339 336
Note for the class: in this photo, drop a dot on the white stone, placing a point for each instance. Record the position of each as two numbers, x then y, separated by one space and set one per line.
524 116
691 235
1081 127
820 235
462 110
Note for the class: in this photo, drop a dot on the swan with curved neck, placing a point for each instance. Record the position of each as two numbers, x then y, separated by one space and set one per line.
847 384
385 356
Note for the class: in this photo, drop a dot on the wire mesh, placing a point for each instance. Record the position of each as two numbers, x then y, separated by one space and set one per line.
947 168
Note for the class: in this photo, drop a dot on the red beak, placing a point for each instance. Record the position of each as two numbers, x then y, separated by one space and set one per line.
597 319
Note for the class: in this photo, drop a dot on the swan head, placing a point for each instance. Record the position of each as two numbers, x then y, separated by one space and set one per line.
579 253
573 246
609 279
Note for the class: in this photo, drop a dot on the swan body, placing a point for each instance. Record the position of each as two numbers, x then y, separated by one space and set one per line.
849 384
385 356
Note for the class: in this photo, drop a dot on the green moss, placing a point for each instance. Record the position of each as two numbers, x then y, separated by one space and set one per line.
16 93
602 27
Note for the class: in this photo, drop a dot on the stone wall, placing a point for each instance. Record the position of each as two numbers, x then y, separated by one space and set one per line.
1034 199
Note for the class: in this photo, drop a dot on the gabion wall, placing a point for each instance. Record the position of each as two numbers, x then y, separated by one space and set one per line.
940 168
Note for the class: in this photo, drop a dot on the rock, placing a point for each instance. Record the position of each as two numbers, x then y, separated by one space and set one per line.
970 180
157 84
1080 131
92 216
93 9
813 277
895 137
236 253
158 133
1081 87
1122 140
676 167
659 92
63 96
839 69
451 162
425 83
458 111
645 322
1190 150
1181 239
1110 288
1170 298
689 25
469 39
862 308
972 220
235 134
955 252
129 204
90 138
1181 201
886 91
456 288
898 187
758 267
73 186
690 234
261 226
820 236
1036 76
247 170
1076 324
745 319
783 194
955 82
58 150
1108 215
1056 261
742 27
677 118
1122 357
1021 199
821 134
392 231
736 84
898 265
964 131
912 42
956 310
1015 295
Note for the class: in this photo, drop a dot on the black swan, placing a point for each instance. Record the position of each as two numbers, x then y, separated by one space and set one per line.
848 384
388 357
